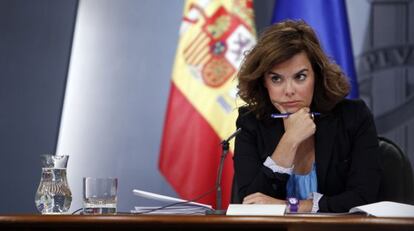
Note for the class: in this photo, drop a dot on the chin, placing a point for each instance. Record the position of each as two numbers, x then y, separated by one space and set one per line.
292 110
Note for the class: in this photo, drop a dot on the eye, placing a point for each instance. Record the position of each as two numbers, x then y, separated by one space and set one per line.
275 79
301 76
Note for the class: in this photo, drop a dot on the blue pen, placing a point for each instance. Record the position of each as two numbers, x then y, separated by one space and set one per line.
285 115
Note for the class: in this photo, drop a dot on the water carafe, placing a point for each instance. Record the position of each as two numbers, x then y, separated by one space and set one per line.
53 195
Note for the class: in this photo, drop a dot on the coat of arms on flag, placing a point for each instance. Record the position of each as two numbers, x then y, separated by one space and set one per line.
217 48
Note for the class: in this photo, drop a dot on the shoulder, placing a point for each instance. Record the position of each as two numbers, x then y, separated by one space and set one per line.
352 108
246 117
351 104
248 121
354 115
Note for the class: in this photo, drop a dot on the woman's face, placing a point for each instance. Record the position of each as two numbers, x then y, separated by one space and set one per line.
290 84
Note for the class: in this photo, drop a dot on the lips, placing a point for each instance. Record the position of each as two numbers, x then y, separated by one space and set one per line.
290 104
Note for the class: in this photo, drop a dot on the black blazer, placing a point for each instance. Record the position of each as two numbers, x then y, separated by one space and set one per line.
346 156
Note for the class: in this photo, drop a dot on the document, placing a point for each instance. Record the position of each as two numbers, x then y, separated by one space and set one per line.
379 209
176 206
171 210
386 209
256 210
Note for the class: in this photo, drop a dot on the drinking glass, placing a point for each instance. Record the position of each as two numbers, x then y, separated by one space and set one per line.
99 195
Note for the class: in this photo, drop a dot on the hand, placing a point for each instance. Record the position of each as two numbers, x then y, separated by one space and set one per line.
305 206
299 126
260 198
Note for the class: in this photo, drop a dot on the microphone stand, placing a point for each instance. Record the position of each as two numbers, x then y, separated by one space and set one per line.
225 145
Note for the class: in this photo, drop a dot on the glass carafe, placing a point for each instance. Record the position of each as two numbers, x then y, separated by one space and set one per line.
53 195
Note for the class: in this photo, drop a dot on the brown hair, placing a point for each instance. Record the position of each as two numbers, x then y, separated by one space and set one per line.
277 44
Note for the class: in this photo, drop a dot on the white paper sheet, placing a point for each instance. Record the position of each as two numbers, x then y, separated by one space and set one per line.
163 198
386 209
255 209
182 210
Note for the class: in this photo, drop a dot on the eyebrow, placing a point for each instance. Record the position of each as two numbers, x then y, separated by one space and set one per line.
300 71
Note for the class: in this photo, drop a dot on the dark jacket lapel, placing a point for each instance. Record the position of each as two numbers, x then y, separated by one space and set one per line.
273 132
326 127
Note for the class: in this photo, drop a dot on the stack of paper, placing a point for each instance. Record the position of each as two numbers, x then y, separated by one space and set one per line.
256 210
178 209
176 206
386 209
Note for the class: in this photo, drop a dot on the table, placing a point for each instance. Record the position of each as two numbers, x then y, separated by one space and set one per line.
180 222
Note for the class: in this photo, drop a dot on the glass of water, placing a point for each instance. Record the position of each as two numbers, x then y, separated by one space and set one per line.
99 195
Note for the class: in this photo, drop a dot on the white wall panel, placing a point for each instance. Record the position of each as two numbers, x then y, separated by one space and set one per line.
117 92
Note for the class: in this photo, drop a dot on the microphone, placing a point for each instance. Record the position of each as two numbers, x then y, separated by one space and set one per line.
224 150
232 135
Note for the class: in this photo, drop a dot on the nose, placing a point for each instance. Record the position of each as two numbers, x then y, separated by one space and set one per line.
289 89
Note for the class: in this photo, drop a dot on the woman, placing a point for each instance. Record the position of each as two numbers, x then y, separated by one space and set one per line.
325 161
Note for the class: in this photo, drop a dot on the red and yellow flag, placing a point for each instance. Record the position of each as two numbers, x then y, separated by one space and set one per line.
202 107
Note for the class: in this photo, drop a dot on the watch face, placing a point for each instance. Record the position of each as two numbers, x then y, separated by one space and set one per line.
293 204
293 200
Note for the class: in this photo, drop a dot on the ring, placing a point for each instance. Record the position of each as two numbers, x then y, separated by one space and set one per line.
312 116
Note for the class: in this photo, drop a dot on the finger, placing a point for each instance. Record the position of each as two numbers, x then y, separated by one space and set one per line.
256 200
306 109
307 113
251 196
301 111
280 202
249 201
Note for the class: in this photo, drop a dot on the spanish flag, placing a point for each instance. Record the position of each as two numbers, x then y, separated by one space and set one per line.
202 107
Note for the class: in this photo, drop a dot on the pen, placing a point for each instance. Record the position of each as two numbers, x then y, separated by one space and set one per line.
285 115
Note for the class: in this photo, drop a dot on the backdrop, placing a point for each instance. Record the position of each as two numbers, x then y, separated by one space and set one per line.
102 99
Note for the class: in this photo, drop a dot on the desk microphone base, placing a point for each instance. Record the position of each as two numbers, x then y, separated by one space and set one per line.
216 212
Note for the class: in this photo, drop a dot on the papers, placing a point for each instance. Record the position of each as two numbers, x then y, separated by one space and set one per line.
386 209
181 209
379 209
159 197
180 206
256 210
175 206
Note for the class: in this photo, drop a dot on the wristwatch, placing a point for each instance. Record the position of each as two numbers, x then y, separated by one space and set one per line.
293 204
